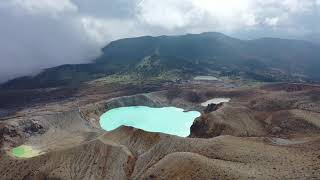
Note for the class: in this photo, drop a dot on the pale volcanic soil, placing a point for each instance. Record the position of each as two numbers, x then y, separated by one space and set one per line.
268 131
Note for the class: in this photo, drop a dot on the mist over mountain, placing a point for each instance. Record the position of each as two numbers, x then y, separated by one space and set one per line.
266 59
43 34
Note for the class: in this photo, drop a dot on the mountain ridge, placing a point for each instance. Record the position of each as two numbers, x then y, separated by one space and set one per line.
266 59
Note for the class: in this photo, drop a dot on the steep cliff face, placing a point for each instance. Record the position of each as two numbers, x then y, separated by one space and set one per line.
281 110
94 111
48 132
233 120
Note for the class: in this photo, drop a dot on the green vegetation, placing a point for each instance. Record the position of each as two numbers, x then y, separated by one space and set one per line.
181 57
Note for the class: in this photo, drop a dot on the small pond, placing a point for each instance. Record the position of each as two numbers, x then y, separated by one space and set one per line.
24 151
206 78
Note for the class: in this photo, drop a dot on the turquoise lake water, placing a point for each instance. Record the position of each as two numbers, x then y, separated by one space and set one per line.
168 120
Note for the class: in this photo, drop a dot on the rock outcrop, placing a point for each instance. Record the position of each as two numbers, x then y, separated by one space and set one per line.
212 107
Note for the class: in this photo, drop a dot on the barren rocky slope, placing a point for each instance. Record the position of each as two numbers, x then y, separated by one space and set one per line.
133 154
264 132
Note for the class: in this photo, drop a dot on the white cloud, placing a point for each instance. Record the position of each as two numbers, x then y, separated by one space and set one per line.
52 7
227 15
169 14
298 5
272 21
250 19
103 30
172 14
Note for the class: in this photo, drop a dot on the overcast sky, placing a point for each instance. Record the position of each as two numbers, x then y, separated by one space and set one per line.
36 34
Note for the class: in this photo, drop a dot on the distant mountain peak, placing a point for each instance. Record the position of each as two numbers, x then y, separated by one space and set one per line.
270 59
